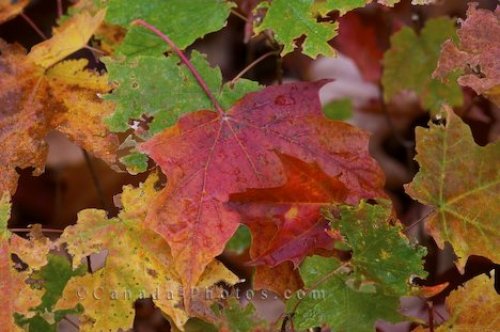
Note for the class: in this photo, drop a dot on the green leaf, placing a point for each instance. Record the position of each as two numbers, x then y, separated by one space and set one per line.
338 109
343 6
352 296
240 240
183 21
380 251
135 162
332 301
290 19
160 88
53 277
238 318
4 215
411 60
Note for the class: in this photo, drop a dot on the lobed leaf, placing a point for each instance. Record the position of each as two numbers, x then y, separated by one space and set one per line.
461 181
71 36
290 19
207 156
411 60
353 295
36 100
138 265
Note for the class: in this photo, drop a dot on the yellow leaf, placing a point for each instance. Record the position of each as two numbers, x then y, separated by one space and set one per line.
138 265
17 295
68 38
474 307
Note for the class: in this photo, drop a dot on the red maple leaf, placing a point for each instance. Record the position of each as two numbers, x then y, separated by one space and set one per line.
209 155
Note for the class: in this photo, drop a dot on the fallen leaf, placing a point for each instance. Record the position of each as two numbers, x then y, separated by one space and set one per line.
291 19
286 221
178 19
137 81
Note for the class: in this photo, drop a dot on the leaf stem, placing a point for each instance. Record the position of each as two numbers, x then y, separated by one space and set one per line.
251 65
27 230
95 180
185 60
33 26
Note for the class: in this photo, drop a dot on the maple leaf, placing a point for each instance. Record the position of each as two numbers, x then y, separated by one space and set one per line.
12 281
476 53
290 19
137 94
63 97
473 307
370 283
461 181
209 155
138 263
179 19
71 36
10 9
415 57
